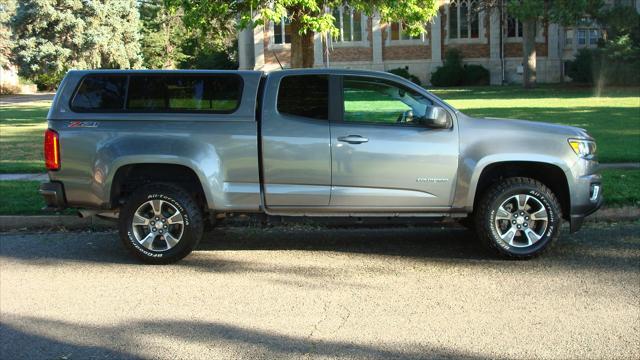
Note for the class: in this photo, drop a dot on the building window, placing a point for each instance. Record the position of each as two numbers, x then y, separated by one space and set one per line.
282 32
398 32
464 20
593 36
514 27
582 37
568 38
351 24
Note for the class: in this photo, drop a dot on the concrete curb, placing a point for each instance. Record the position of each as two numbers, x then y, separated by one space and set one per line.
70 222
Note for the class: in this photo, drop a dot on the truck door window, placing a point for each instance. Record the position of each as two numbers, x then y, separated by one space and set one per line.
304 95
377 101
100 93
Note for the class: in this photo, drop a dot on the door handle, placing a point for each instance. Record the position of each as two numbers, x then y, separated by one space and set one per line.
353 139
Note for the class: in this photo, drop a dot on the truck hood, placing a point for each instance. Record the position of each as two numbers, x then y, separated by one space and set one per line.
535 126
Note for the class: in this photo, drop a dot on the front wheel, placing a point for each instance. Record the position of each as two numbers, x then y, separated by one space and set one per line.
160 223
518 218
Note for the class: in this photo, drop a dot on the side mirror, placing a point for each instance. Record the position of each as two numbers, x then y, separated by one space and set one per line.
437 117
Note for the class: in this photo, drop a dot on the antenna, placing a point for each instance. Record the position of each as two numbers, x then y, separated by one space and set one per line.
278 60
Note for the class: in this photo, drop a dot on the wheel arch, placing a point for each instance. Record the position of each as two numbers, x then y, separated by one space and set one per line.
128 177
550 174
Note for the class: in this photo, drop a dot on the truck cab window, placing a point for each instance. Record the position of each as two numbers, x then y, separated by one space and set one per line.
370 100
304 95
100 93
184 93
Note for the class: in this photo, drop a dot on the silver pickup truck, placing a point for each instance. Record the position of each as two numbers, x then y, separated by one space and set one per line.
165 151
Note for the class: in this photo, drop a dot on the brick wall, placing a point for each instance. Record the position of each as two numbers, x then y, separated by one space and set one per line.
283 54
355 53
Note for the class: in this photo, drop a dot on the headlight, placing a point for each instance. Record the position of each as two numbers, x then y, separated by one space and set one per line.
585 149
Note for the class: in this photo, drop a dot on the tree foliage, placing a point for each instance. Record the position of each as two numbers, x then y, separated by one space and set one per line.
565 12
168 44
307 17
7 10
52 36
163 35
616 61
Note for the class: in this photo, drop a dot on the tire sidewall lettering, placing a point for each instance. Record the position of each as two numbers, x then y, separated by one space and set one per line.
551 225
185 217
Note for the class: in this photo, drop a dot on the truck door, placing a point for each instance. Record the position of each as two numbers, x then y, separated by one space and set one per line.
383 156
296 151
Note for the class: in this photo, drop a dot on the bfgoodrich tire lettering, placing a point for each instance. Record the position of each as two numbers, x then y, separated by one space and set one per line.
518 218
179 224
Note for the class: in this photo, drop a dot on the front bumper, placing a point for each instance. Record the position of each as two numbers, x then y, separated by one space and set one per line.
587 200
53 194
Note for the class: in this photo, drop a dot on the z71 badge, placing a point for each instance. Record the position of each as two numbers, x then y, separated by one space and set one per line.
82 124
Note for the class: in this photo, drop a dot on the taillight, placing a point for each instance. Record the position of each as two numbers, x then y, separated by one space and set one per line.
51 150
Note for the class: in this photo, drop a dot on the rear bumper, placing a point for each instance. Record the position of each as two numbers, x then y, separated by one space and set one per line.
53 195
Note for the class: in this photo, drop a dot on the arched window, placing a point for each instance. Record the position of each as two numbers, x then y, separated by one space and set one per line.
464 19
351 23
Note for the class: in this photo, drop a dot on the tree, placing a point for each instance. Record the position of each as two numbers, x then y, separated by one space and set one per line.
163 34
7 10
565 12
52 36
307 17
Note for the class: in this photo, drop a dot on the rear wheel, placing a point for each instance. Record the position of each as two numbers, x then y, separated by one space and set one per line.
160 223
518 218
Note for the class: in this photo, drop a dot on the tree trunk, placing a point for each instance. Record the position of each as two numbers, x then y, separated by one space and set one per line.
301 47
529 53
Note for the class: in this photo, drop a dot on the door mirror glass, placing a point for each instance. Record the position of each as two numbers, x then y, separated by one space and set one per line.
437 117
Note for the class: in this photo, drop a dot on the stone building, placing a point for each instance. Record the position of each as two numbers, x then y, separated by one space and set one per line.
487 37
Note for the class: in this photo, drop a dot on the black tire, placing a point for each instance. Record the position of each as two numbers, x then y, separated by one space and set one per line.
172 197
490 225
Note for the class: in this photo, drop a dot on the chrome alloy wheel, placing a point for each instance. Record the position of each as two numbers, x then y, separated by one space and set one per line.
157 225
521 220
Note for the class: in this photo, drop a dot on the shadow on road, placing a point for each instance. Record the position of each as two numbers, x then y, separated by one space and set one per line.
37 338
609 247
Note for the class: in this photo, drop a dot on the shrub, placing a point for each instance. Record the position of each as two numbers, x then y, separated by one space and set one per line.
7 89
475 75
447 76
404 72
48 81
451 73
604 66
581 69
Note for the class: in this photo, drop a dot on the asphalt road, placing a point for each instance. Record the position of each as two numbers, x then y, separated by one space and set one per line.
321 293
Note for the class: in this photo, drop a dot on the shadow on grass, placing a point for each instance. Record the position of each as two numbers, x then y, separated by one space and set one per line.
38 338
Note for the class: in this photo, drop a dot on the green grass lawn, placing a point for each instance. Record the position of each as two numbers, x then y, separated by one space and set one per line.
21 134
613 118
621 187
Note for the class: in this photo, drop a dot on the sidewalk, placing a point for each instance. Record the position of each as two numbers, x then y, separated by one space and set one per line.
23 177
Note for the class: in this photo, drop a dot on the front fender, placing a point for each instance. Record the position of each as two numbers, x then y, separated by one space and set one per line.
471 170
